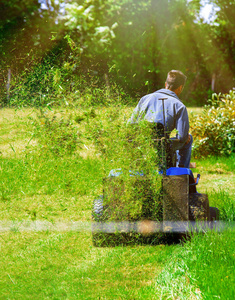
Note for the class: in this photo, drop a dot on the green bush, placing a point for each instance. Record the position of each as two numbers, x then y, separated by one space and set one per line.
129 149
214 129
56 135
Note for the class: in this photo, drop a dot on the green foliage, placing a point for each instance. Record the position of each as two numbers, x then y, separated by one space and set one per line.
214 129
132 145
86 20
57 136
133 43
25 32
36 87
133 198
129 150
51 84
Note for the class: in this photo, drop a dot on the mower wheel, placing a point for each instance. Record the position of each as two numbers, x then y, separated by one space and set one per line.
98 209
98 217
198 207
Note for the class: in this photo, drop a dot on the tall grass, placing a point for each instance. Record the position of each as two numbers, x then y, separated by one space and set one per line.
48 85
48 187
203 269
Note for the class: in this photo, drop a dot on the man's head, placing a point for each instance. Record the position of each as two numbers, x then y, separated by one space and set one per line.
175 81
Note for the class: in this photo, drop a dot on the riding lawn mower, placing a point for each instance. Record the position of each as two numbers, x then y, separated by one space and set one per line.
173 211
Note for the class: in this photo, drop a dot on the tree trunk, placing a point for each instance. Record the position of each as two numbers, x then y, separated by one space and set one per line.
213 82
8 83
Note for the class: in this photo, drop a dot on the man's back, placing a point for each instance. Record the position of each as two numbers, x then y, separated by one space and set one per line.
150 108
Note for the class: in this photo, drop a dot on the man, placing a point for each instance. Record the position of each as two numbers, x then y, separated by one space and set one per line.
150 108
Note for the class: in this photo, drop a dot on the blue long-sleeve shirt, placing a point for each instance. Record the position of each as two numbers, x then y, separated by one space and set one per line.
150 108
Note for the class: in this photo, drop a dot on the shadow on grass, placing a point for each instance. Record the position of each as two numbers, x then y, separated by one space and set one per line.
130 239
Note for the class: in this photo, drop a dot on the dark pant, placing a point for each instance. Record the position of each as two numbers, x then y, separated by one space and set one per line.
184 154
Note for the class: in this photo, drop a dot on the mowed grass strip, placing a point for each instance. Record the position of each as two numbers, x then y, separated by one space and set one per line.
67 266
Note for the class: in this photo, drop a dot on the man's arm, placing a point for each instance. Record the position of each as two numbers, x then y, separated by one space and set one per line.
182 125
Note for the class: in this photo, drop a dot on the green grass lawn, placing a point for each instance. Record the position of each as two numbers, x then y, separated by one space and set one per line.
67 266
37 185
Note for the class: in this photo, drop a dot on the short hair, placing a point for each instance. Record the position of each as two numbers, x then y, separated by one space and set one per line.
175 78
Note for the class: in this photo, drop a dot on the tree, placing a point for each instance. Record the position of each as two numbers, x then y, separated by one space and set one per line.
222 32
25 32
132 42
